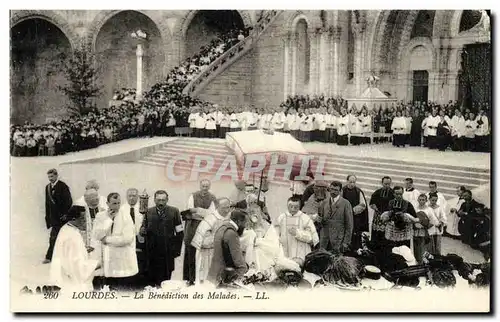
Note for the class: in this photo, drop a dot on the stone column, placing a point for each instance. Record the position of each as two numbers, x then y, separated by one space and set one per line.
452 85
358 29
286 63
435 82
324 63
293 46
335 33
139 53
314 56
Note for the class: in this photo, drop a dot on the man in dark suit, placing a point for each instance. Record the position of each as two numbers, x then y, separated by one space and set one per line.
164 233
57 203
357 199
471 213
336 221
227 249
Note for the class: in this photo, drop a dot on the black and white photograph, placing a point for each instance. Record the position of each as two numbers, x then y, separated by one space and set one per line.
325 161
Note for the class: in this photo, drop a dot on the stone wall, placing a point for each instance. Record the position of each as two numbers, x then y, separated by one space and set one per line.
268 81
233 87
36 72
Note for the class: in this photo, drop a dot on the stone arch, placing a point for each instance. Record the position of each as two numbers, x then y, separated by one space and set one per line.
115 51
406 34
38 52
291 28
291 22
104 15
49 15
377 40
455 23
441 23
391 39
183 23
404 60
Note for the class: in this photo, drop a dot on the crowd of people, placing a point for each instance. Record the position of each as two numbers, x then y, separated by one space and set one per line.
126 244
162 108
322 119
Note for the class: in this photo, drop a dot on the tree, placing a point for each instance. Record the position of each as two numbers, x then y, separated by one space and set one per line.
81 75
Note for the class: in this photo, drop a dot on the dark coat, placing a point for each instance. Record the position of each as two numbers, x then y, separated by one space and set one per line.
227 253
57 203
164 237
336 224
360 220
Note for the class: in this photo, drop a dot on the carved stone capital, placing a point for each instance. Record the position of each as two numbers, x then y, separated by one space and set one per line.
358 22
335 33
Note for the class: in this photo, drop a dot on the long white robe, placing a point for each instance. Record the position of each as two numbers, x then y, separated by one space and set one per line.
458 126
297 246
366 124
432 124
71 268
278 121
261 247
470 129
343 125
412 197
482 129
453 219
203 241
398 125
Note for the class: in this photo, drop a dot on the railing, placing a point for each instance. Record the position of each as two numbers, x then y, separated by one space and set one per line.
233 53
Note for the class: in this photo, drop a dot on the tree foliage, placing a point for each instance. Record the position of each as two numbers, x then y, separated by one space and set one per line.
82 84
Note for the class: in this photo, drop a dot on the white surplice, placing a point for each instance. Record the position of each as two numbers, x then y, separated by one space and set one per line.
297 246
71 267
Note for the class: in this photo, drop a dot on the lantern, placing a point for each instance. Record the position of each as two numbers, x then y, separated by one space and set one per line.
143 202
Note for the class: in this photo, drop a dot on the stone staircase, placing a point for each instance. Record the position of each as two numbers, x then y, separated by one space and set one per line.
231 55
369 171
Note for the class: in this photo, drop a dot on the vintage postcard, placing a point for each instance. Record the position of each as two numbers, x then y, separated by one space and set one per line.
250 160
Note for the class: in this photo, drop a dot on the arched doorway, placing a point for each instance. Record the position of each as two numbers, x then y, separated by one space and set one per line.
420 64
116 53
206 25
38 49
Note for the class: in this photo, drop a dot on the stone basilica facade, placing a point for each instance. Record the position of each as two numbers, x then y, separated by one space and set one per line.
416 53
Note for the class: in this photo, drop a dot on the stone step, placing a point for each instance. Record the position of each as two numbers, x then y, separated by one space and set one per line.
398 175
219 147
369 171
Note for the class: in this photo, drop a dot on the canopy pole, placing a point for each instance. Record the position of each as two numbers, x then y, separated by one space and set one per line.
260 186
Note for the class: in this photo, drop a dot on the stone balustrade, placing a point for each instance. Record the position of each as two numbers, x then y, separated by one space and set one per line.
231 55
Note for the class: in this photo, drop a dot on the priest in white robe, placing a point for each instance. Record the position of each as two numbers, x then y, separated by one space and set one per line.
203 239
398 128
71 267
411 194
260 243
296 231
